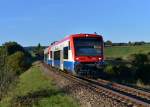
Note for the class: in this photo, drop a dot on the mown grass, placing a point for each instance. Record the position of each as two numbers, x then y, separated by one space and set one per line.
34 89
125 51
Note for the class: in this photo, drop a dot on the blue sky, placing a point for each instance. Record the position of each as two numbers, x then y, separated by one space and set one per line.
29 22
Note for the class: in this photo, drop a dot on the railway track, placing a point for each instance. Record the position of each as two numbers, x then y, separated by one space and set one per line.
137 87
124 94
117 92
139 95
130 90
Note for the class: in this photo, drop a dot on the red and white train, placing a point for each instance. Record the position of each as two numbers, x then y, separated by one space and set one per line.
77 53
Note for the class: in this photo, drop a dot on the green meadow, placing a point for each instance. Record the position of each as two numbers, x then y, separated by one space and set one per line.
125 51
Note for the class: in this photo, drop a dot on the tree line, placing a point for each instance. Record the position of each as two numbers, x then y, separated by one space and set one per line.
110 43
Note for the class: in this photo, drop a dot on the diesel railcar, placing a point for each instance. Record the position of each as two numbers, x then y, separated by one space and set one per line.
78 53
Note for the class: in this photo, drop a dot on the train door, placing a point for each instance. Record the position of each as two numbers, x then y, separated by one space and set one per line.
52 57
61 60
65 58
57 59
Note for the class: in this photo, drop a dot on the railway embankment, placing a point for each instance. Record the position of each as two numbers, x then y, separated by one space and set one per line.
34 88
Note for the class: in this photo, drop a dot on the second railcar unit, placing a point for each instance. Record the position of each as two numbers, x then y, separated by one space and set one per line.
76 53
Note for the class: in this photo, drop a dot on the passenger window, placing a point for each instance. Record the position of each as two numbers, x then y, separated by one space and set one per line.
51 54
69 45
65 52
57 55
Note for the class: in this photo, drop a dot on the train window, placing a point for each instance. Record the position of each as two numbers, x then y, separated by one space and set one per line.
57 55
88 46
69 45
65 52
51 54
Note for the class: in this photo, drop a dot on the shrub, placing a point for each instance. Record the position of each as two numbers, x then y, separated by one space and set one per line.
143 73
138 59
118 59
120 72
124 73
141 66
18 62
148 55
137 68
109 69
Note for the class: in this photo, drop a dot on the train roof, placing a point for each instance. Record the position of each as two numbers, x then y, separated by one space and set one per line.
84 34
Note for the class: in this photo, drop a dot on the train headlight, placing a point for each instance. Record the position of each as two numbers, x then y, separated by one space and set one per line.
100 58
77 58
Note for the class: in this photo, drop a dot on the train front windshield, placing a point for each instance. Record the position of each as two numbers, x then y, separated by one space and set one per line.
88 46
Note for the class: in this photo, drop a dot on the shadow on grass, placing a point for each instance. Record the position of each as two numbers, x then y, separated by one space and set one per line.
33 98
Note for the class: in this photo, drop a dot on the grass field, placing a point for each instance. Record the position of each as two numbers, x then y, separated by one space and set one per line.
125 51
34 89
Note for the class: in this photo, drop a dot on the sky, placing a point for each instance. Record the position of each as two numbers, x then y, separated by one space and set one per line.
30 22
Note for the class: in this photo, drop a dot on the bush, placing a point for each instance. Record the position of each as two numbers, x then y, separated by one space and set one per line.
120 72
125 73
109 69
18 62
136 69
118 59
148 55
138 59
143 73
141 66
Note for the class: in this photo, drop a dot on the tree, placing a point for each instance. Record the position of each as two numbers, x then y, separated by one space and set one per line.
108 43
39 46
130 43
18 62
13 60
39 51
12 47
6 74
139 43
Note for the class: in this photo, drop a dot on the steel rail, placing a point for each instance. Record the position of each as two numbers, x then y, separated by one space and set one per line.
105 90
124 88
108 92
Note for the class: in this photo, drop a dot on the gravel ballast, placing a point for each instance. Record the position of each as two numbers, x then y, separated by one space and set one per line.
86 97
